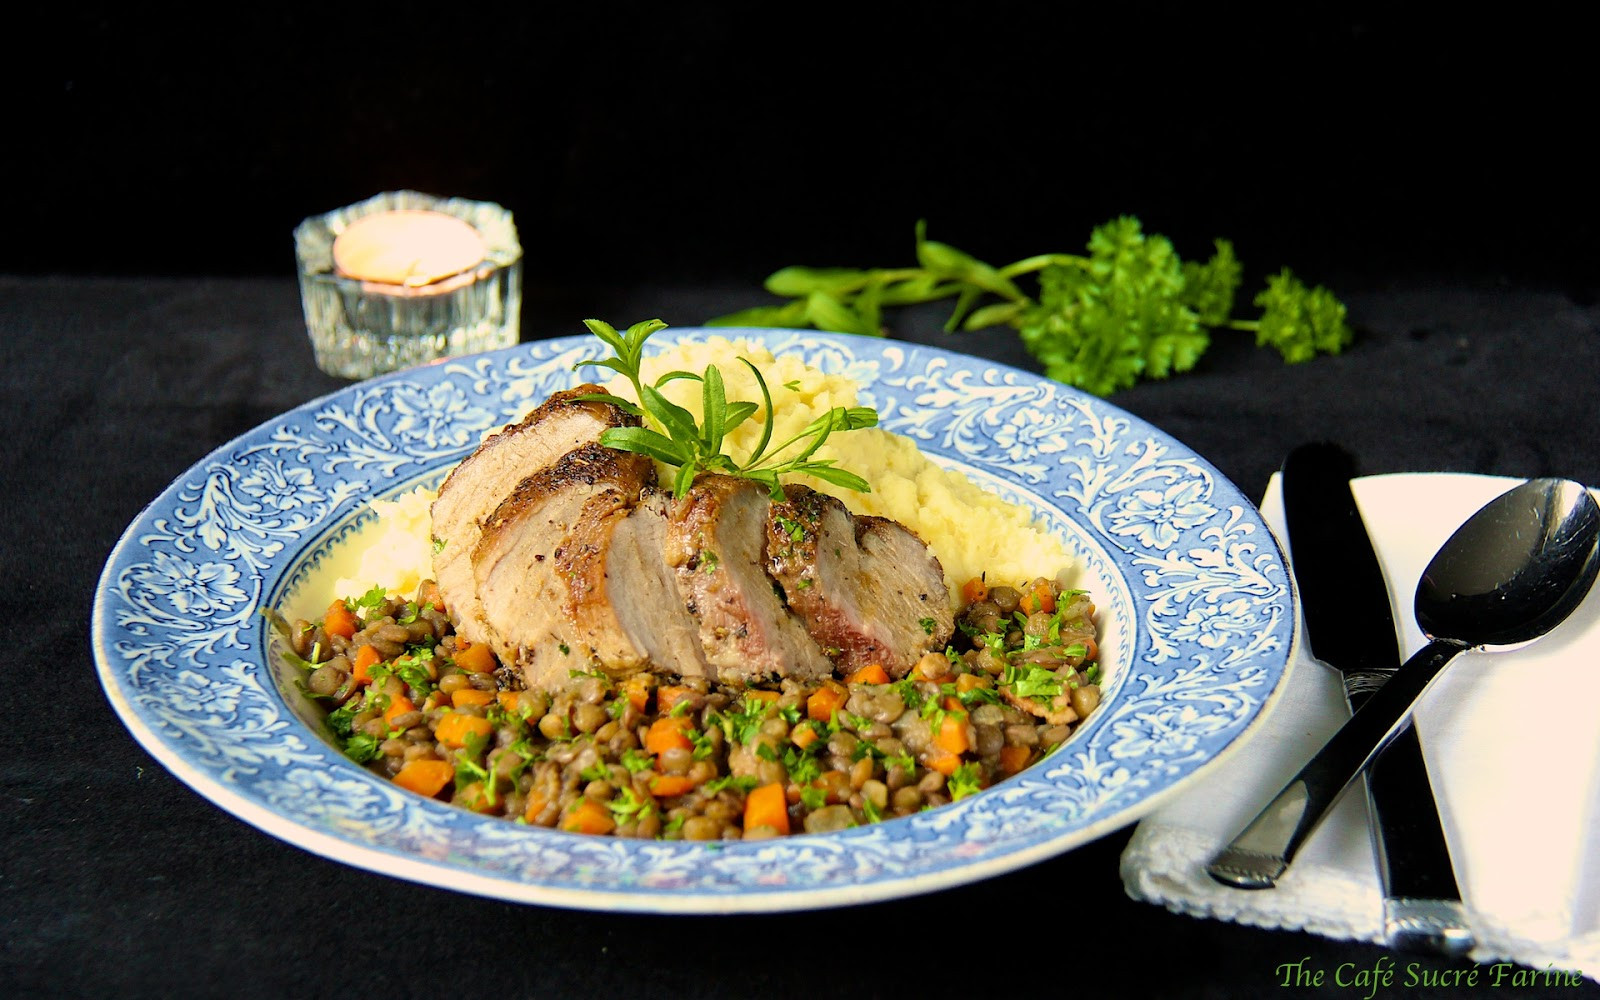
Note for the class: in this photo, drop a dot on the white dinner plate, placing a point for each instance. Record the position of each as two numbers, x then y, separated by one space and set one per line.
1196 611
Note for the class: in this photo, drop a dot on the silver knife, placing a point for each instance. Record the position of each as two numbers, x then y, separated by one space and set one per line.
1350 627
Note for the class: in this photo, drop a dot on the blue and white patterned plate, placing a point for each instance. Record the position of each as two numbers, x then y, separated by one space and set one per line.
1197 617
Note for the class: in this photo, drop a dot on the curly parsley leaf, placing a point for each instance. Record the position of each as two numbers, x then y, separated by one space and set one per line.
1299 322
1128 309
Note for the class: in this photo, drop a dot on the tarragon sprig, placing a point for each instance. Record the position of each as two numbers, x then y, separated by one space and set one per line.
670 434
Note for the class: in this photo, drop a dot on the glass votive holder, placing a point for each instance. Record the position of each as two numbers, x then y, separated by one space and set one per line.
367 314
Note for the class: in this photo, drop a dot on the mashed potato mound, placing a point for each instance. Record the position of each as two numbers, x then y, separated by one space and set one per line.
399 555
971 530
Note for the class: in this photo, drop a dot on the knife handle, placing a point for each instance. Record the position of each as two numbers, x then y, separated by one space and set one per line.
1422 908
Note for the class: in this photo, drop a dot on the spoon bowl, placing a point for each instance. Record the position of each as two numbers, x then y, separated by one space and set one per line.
1512 572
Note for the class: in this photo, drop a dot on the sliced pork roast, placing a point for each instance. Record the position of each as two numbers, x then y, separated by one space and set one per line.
868 589
523 567
622 598
716 542
487 476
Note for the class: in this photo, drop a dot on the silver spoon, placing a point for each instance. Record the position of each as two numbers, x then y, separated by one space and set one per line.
1515 570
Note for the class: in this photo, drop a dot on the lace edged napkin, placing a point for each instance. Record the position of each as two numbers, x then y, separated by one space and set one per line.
1512 742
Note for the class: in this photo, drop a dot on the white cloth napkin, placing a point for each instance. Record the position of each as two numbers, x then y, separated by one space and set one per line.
1512 742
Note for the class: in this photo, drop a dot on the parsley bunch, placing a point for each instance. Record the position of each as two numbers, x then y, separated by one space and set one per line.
678 440
1127 309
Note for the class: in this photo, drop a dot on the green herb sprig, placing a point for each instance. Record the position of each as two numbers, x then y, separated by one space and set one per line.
1127 309
670 435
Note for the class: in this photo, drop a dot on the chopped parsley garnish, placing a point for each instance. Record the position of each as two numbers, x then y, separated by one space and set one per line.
738 725
792 528
625 805
870 810
964 781
801 765
745 783
635 761
813 798
927 624
708 561
1031 682
703 747
372 599
362 748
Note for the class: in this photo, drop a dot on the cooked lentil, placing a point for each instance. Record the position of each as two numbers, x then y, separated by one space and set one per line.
680 759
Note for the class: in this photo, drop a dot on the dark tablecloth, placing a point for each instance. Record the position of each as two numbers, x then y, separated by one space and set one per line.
116 879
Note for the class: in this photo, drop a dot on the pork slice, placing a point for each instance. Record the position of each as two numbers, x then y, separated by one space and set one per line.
623 602
522 565
867 588
486 477
716 542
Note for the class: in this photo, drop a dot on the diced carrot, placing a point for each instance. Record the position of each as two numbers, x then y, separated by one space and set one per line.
509 700
974 590
588 816
944 763
668 695
767 696
454 729
668 733
366 658
536 805
665 786
804 735
475 658
434 700
825 701
1091 649
1014 759
966 682
425 776
767 806
952 734
462 697
952 704
872 673
398 705
1038 598
340 621
637 688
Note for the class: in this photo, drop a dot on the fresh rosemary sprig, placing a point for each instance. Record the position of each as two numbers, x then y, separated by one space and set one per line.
677 440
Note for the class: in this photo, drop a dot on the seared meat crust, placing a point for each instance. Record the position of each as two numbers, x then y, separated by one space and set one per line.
867 588
716 543
525 559
478 485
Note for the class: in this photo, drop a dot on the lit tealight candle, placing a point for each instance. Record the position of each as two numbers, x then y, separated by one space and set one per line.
407 247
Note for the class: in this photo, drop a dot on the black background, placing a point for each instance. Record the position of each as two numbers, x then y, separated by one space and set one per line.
660 161
1352 142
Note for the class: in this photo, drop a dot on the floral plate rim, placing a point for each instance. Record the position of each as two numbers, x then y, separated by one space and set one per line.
178 643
